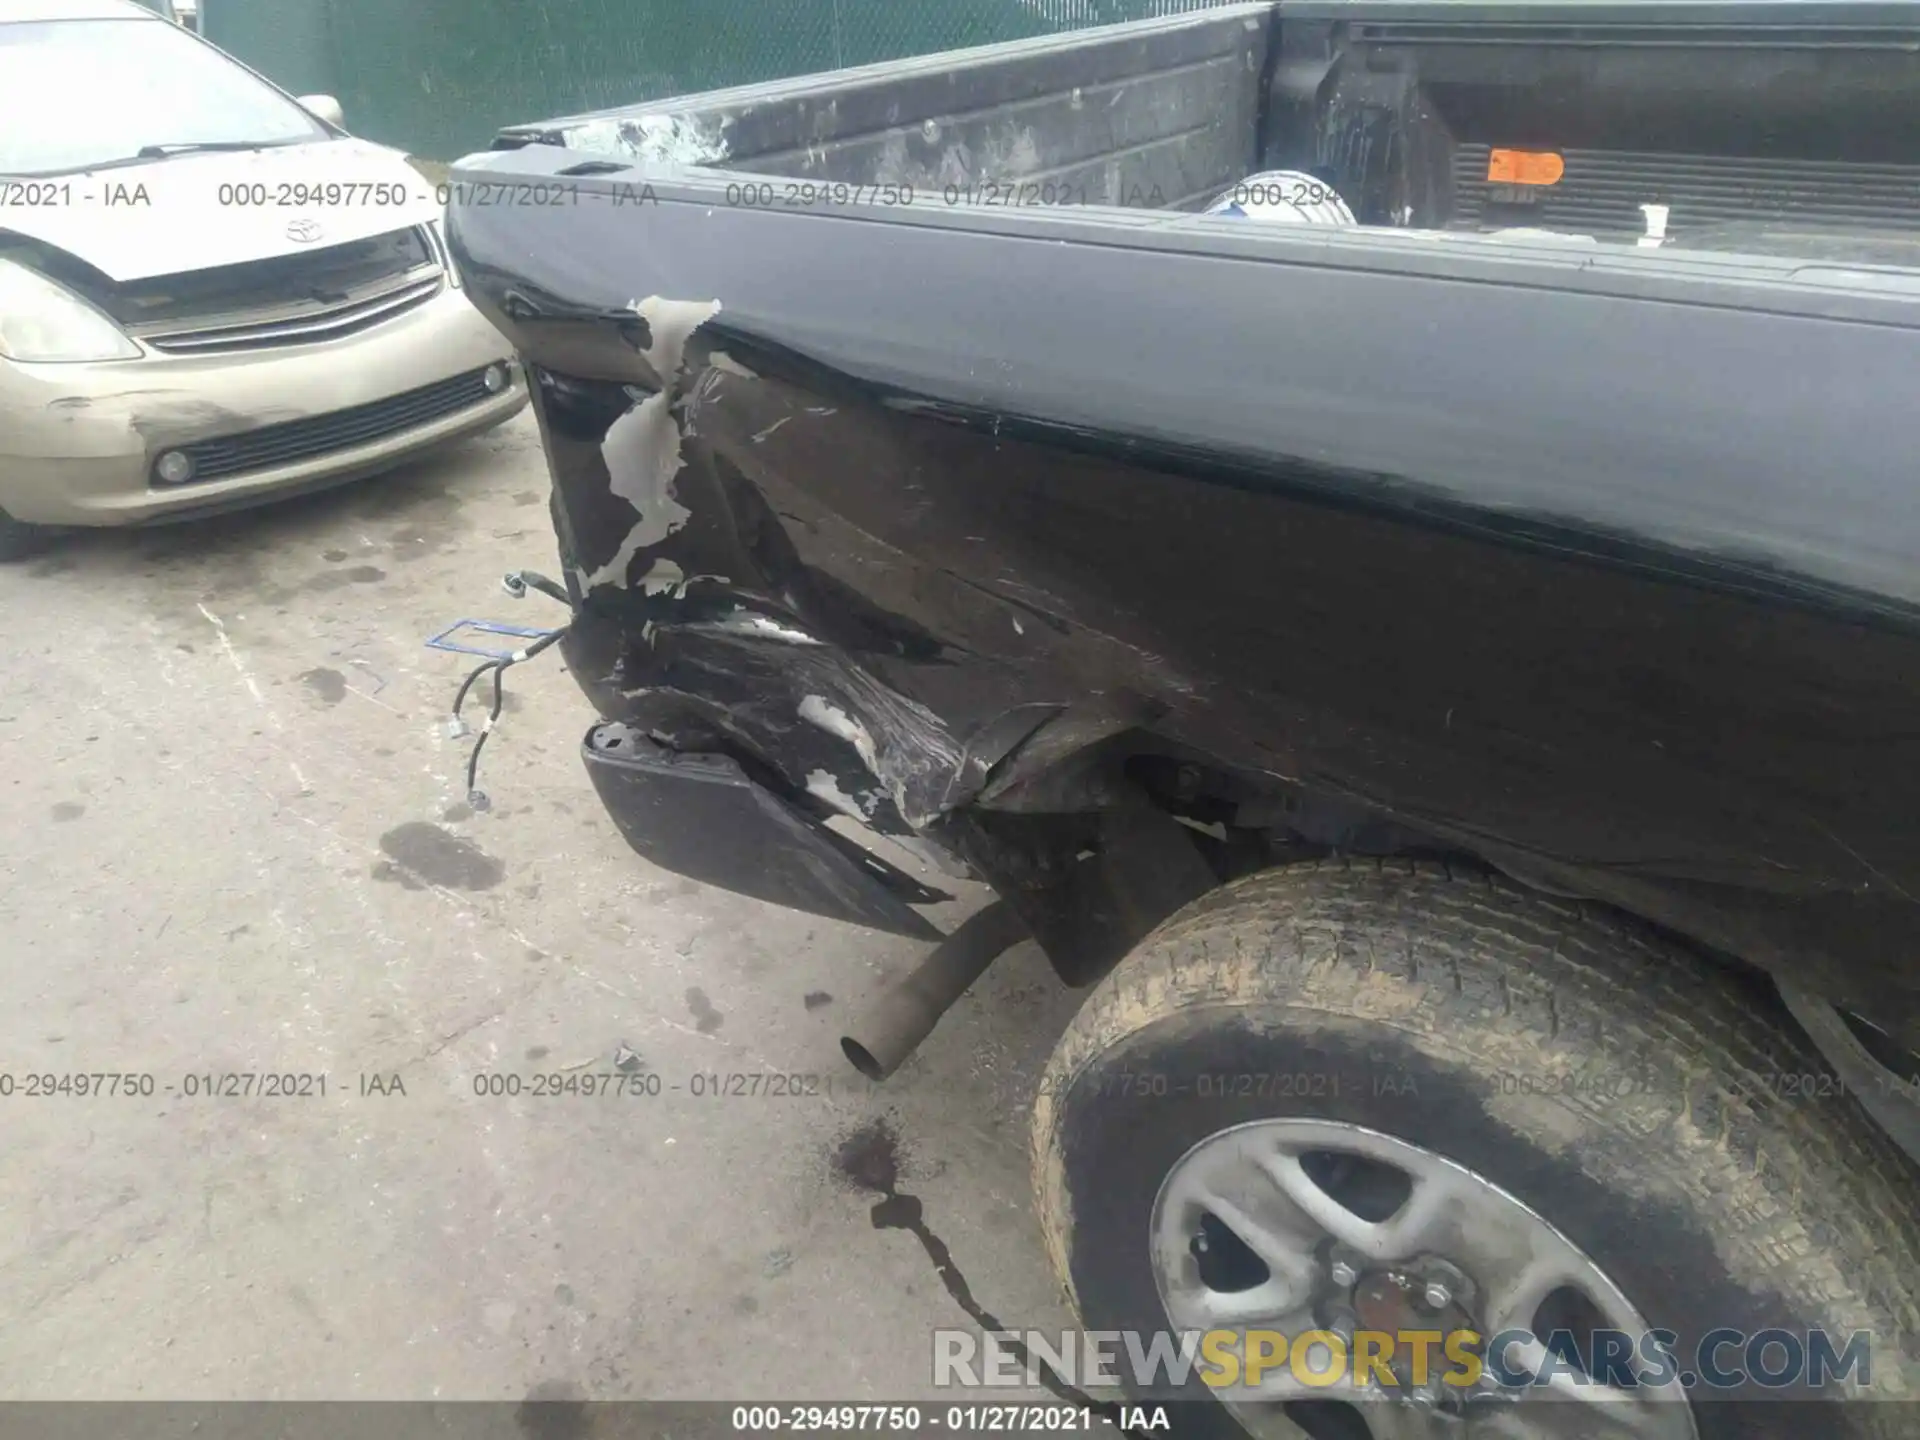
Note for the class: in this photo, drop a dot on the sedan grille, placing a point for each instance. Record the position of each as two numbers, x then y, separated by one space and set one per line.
295 440
319 294
320 322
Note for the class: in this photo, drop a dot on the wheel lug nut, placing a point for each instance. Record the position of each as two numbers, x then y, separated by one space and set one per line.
1343 1274
1438 1295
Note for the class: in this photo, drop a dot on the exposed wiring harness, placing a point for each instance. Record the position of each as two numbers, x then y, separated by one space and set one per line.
516 584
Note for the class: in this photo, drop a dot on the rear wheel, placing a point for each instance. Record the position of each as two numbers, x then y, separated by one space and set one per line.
1392 1098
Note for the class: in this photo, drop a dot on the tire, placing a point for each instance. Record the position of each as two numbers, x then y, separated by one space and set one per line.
1724 1190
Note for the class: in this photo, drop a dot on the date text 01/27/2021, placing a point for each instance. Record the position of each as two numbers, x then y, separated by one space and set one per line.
487 1084
1616 1084
972 1419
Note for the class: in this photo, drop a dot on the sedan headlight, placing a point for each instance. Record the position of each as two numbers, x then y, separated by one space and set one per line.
43 322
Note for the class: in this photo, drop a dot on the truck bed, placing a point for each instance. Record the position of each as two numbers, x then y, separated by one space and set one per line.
887 477
1741 119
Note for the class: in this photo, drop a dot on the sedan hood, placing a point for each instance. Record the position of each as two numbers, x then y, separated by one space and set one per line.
163 217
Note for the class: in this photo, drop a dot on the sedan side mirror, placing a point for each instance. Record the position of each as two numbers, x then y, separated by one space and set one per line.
323 107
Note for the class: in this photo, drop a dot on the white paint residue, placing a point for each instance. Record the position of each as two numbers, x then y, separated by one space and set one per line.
1530 232
602 137
894 164
643 455
614 572
663 577
1211 828
233 656
670 323
818 710
1011 152
642 450
771 428
372 699
823 785
1018 628
240 668
669 139
774 630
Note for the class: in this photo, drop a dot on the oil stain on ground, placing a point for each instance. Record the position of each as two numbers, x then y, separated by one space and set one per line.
868 1159
553 1410
329 687
706 1019
425 850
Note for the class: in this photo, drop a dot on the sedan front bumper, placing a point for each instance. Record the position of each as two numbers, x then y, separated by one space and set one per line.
78 443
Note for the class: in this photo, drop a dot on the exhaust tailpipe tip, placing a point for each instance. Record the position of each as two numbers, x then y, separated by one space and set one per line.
908 1011
862 1059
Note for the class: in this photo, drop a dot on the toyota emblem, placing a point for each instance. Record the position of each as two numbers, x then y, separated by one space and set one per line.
303 231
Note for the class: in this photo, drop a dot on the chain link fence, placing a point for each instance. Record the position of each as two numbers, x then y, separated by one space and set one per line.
439 77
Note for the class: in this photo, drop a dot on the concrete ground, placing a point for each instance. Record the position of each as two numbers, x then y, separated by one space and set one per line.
237 843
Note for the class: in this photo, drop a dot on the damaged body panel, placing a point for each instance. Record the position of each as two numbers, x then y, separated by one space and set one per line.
691 813
975 523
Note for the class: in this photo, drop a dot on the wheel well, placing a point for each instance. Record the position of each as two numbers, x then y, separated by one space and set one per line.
1045 823
1117 882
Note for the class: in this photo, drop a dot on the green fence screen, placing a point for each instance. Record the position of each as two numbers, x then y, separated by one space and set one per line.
439 77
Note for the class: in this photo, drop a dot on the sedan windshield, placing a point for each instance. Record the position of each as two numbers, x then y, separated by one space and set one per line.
76 94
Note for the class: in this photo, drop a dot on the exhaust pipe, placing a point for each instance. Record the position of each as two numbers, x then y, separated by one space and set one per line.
909 1010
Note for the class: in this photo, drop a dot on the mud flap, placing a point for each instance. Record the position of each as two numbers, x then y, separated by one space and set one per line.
704 817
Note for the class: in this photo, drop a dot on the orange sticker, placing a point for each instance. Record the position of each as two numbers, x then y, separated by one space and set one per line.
1524 167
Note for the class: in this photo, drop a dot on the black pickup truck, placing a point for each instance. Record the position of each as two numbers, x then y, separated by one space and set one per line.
1389 535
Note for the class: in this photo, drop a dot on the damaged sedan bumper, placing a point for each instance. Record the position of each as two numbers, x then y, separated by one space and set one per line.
84 444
